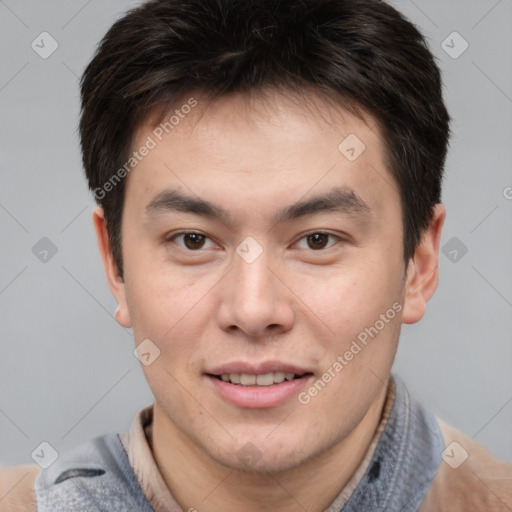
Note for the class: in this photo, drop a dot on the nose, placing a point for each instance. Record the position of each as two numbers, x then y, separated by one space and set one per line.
255 300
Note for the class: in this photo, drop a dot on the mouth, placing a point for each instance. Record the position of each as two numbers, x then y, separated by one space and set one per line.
263 386
258 380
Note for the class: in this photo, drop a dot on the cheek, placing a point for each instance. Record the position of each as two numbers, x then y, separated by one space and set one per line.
164 304
346 305
363 316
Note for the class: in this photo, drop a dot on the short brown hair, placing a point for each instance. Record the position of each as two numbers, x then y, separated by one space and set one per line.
364 53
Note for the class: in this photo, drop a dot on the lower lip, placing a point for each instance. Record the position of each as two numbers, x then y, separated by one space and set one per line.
259 397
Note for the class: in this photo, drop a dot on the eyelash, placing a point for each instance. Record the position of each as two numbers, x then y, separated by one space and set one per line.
183 233
337 238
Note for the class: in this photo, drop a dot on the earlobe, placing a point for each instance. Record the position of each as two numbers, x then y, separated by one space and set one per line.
114 279
422 272
122 316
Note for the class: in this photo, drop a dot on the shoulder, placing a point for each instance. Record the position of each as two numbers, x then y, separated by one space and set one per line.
17 488
469 477
28 488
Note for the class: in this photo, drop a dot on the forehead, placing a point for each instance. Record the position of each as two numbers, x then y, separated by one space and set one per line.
254 144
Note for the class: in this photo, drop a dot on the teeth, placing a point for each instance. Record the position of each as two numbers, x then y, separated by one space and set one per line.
264 379
247 380
279 377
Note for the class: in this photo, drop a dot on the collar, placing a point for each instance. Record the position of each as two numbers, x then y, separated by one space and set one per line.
394 475
405 461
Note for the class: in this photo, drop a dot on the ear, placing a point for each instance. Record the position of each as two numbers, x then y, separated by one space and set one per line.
422 271
114 279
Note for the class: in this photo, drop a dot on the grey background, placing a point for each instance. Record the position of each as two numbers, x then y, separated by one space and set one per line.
67 371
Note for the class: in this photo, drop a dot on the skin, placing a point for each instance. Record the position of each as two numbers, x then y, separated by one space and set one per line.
202 308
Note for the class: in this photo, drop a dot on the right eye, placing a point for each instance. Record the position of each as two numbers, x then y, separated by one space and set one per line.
191 241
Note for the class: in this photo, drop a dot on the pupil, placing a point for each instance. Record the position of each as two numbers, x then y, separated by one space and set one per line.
194 241
317 240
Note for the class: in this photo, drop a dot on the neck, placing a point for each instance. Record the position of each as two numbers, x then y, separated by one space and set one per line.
198 482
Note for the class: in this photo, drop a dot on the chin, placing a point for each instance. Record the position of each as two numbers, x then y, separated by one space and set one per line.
258 462
263 455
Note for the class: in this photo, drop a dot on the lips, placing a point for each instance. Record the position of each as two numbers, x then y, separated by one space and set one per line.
257 368
264 385
262 374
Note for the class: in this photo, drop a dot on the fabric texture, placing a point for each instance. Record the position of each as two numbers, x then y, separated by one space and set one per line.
98 475
94 477
137 444
416 462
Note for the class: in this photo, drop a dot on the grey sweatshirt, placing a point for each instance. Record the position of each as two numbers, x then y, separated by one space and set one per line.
97 475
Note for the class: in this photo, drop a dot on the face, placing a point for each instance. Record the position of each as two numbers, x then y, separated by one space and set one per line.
265 261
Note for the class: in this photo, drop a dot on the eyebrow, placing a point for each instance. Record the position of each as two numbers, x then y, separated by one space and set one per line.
343 200
172 200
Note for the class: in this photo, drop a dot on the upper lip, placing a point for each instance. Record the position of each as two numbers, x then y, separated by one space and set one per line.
257 368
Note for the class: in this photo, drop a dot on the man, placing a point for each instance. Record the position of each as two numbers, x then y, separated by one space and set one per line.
268 177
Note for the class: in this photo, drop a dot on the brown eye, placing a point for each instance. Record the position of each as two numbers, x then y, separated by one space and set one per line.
317 240
193 240
187 242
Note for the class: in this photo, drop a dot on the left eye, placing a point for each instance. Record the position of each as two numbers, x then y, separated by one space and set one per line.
192 241
317 241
